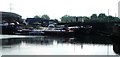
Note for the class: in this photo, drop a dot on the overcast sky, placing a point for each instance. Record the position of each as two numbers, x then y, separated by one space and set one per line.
58 8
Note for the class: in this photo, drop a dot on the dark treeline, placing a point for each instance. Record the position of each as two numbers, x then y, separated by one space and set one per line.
93 18
101 24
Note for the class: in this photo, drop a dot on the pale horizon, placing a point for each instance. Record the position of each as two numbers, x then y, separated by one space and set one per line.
55 9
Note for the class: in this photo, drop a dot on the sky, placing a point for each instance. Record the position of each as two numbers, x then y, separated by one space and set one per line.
58 8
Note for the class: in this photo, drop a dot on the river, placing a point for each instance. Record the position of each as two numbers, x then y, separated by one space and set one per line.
48 45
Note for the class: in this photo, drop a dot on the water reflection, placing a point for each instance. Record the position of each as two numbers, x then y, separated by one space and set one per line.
82 45
16 41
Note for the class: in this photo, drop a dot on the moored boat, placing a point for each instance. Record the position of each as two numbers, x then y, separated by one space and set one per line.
58 31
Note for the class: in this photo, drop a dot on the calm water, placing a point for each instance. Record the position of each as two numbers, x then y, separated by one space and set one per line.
44 45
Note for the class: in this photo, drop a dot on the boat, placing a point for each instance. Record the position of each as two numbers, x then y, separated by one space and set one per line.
29 32
8 28
58 31
51 30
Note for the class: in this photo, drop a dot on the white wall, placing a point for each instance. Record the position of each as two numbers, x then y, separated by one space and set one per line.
119 9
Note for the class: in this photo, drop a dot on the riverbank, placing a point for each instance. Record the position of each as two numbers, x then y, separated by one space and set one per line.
18 36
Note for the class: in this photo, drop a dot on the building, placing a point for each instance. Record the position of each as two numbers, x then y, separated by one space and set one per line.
119 9
39 22
9 17
9 23
73 19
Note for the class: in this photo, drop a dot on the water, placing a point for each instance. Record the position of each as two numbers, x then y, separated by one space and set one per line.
55 46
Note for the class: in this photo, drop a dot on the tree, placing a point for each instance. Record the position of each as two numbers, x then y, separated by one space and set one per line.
113 19
56 20
67 18
110 19
86 19
45 17
94 16
63 18
116 19
36 16
102 17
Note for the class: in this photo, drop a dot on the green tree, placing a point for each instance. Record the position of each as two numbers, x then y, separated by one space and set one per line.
86 19
65 18
36 16
94 17
102 17
116 19
113 19
45 17
110 19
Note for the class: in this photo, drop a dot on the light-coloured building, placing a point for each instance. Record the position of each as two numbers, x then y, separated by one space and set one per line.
119 9
73 19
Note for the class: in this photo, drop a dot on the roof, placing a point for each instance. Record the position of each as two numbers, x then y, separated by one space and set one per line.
32 20
10 14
